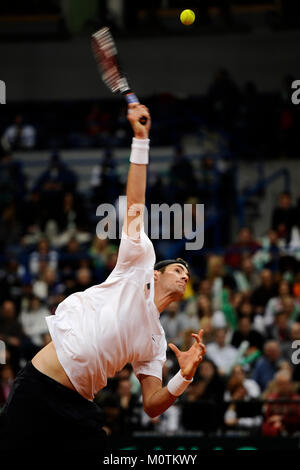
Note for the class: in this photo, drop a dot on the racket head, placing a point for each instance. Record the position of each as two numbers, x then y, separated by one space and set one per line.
106 56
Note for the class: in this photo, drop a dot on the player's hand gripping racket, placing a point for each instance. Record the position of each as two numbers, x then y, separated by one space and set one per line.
106 56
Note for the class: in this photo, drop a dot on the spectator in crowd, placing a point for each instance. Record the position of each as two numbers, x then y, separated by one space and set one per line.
7 377
98 126
46 285
223 99
267 366
11 332
284 216
269 254
30 215
11 281
245 309
220 281
84 279
51 185
172 324
247 278
275 303
239 388
100 252
129 405
19 135
72 257
105 183
110 406
282 418
245 245
42 255
12 180
182 177
167 423
279 330
12 193
264 292
292 309
238 375
71 215
206 392
208 383
198 314
245 332
222 354
192 304
33 322
205 288
294 244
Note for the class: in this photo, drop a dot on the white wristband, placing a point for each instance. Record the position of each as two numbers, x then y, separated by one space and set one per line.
178 384
140 151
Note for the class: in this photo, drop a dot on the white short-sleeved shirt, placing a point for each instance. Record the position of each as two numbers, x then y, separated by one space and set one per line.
97 331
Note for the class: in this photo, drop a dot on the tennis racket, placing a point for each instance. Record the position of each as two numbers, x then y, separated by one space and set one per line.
106 55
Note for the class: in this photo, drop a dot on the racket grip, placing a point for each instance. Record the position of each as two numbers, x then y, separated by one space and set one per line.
143 120
132 98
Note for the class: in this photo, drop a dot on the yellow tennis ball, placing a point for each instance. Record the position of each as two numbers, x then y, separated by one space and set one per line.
187 17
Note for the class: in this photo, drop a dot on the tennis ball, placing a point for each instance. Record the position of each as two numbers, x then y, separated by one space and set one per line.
187 17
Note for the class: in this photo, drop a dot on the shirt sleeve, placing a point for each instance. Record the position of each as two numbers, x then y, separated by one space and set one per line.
153 368
135 252
155 365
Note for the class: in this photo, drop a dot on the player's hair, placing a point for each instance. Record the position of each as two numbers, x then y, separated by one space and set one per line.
168 262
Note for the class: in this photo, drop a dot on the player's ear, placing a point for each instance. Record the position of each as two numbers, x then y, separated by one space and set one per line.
156 275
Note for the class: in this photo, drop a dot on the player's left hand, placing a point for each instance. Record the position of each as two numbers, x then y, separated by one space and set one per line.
189 360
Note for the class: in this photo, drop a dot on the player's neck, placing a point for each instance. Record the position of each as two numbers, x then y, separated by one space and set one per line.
162 300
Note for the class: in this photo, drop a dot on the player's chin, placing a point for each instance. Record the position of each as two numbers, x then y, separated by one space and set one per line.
180 290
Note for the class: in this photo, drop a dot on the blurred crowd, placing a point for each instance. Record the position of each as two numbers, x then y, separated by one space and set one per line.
245 296
254 124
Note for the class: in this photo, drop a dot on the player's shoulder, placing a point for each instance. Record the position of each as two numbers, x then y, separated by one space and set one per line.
136 251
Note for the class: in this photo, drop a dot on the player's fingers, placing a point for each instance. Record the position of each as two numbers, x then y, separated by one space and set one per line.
144 111
137 106
174 348
137 114
202 349
199 344
201 332
144 107
198 338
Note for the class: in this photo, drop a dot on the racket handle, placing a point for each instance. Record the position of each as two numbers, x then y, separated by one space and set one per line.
143 120
132 98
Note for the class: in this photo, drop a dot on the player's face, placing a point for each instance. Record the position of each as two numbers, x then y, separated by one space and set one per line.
175 279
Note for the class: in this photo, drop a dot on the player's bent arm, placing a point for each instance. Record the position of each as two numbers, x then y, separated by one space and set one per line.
136 181
156 399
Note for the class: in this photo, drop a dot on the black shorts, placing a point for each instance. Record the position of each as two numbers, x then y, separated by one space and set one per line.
41 412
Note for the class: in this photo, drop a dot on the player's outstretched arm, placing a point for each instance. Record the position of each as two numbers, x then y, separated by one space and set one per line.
157 399
136 181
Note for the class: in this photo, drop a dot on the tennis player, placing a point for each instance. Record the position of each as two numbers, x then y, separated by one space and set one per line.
96 332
